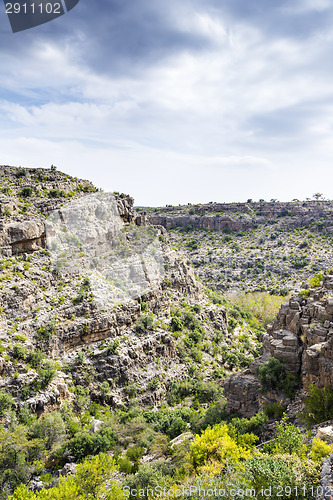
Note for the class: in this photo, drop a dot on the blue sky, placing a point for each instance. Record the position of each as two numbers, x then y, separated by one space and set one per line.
175 102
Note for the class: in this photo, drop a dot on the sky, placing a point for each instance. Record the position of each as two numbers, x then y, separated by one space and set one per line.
174 101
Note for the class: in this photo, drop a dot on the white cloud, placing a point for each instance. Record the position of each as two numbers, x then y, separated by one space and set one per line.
304 6
183 128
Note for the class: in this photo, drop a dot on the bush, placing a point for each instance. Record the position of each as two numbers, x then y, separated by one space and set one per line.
215 414
153 384
203 391
304 244
252 425
144 323
170 422
316 281
20 351
261 305
86 443
177 324
193 244
146 479
112 348
274 411
21 172
273 376
105 388
216 445
320 450
47 373
299 263
196 308
289 439
318 406
94 479
56 193
284 476
35 358
51 429
26 192
6 402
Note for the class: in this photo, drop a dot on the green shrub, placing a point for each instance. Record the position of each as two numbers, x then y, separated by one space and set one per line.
79 298
84 444
21 172
94 479
283 476
144 323
299 263
6 402
260 305
49 329
320 450
303 244
215 414
20 351
273 375
56 193
47 373
80 358
316 281
318 406
51 429
170 422
105 388
196 308
274 411
26 192
35 358
112 347
289 439
253 425
203 391
193 244
177 324
144 307
153 384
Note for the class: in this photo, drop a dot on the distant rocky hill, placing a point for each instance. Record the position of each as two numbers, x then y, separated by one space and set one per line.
244 216
252 246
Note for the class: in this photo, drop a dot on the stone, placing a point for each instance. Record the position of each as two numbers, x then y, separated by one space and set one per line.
325 434
68 469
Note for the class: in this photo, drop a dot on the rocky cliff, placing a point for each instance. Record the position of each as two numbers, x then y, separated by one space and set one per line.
245 216
302 338
48 312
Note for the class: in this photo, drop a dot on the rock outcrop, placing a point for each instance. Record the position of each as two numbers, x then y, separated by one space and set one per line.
30 195
301 337
245 216
61 316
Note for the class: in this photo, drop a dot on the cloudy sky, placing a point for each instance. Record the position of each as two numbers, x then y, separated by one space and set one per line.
175 101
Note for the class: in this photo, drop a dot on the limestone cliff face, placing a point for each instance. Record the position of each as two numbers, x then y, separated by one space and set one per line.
244 216
59 314
27 196
301 337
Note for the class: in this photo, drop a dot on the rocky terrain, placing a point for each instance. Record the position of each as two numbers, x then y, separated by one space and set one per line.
301 338
137 348
116 343
252 246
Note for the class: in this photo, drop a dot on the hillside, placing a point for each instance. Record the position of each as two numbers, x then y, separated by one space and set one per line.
271 246
114 354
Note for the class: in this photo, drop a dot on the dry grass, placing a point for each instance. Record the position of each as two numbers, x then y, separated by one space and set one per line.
262 305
